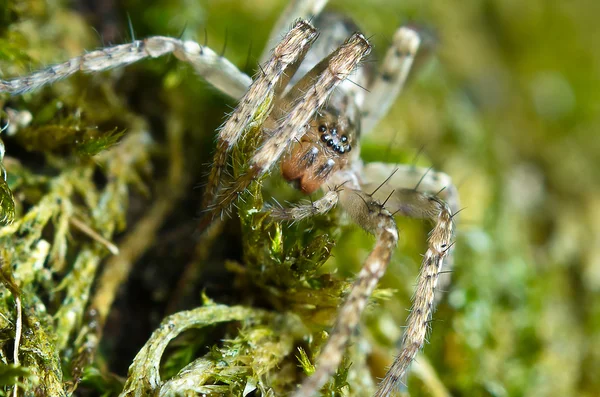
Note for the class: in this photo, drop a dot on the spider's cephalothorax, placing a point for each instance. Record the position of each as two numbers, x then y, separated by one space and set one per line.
321 152
310 116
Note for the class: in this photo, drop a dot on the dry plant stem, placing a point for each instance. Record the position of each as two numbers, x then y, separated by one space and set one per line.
143 235
292 48
144 377
189 277
118 267
83 227
18 330
422 308
423 369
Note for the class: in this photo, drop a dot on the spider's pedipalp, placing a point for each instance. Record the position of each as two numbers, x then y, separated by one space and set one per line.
217 70
375 219
256 103
299 212
388 83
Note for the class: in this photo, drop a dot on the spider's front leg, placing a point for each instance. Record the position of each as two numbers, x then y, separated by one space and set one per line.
367 210
416 204
296 9
256 103
417 193
292 115
372 216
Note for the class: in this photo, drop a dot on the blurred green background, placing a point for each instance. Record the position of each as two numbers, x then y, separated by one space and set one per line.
509 106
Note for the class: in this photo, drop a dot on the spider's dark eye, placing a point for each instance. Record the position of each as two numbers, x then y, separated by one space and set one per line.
333 131
325 137
330 142
344 139
322 128
349 148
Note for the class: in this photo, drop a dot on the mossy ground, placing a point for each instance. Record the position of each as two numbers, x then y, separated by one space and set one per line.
508 107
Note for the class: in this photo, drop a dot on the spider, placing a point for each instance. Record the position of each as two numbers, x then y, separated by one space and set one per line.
311 116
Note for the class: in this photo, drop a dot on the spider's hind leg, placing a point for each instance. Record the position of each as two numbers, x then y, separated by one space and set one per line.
421 205
402 176
422 180
390 79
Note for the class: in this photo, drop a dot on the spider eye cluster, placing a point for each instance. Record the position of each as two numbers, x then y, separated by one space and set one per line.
330 137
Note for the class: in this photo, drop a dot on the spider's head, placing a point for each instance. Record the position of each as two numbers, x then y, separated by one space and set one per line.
323 150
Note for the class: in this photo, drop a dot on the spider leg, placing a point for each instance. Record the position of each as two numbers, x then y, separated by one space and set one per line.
214 68
409 177
374 218
289 128
420 179
252 106
418 193
303 9
420 205
406 190
388 83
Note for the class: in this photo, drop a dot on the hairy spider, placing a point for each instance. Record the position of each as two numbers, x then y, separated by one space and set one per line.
314 129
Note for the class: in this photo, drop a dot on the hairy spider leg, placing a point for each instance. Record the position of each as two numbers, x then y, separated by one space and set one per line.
390 79
296 9
420 205
303 105
417 192
425 181
375 219
288 52
215 69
